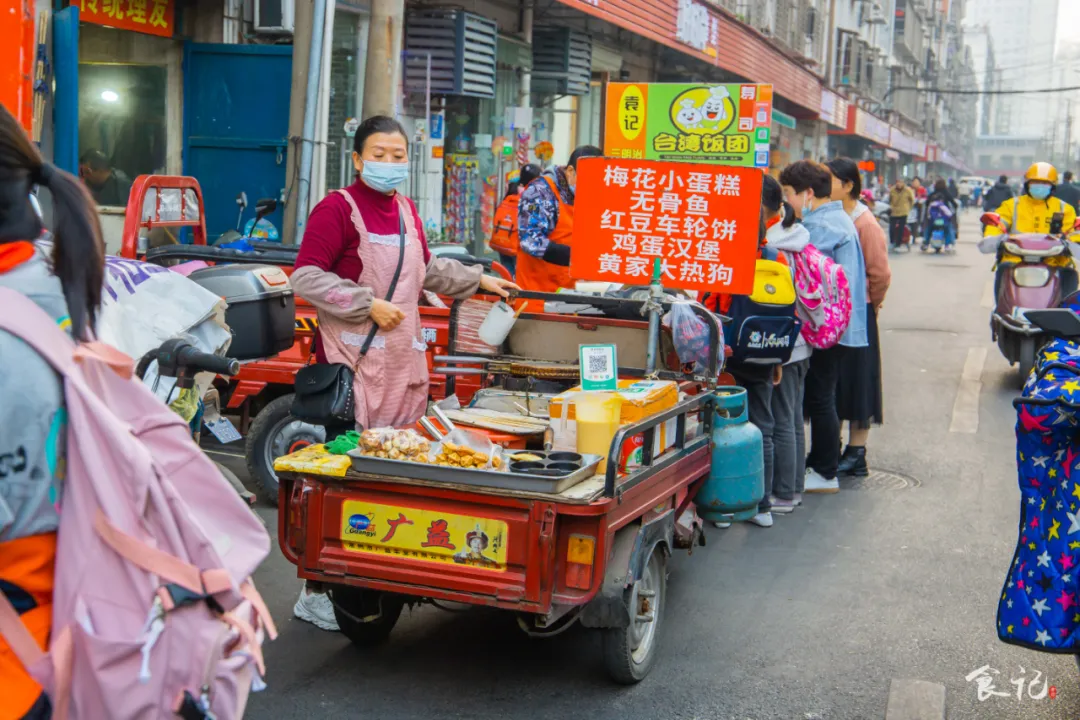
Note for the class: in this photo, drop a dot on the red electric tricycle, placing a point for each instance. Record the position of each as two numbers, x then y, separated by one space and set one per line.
384 536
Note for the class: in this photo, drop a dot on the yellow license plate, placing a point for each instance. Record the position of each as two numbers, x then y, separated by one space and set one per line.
429 535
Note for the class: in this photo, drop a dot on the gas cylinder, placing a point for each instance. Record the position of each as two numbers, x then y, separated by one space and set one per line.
736 482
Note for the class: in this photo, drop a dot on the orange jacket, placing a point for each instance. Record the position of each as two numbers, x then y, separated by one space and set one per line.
535 274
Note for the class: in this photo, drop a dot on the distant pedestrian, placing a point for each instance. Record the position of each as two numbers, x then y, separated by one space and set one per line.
1069 191
504 233
901 202
858 389
997 195
808 187
546 224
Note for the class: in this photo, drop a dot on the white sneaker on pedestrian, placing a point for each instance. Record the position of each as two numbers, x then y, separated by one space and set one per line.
762 519
782 506
798 499
316 609
815 483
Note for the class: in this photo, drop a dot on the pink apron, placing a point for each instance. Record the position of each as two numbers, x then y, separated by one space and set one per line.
391 384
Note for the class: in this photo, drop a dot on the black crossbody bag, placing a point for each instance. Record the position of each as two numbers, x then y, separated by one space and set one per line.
324 391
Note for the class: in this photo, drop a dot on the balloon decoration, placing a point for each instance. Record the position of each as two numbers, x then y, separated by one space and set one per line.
544 151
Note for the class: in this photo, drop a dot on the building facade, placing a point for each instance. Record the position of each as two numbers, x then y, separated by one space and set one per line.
217 88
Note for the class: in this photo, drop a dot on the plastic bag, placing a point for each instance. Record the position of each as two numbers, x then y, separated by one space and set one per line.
393 444
690 335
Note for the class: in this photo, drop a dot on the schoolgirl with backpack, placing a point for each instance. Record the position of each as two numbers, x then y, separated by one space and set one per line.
125 556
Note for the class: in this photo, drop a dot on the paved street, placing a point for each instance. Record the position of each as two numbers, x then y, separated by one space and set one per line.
894 578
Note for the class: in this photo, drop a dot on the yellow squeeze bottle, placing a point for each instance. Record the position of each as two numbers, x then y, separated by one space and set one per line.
597 422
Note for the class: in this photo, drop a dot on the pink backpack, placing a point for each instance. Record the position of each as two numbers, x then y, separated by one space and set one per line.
823 297
154 611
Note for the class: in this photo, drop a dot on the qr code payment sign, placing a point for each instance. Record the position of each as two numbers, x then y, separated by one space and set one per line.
597 366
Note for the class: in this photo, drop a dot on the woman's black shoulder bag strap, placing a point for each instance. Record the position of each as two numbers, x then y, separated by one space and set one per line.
393 281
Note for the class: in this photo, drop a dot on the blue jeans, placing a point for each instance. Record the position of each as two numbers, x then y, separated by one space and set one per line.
789 437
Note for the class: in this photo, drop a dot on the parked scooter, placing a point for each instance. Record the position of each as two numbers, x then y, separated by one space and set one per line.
1027 279
263 207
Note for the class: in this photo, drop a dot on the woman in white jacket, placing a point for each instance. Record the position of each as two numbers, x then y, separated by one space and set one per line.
785 237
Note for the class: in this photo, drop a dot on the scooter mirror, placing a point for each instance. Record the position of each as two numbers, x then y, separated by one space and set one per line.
241 200
992 218
265 206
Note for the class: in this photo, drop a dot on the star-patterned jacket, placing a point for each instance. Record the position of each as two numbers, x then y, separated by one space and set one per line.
1039 606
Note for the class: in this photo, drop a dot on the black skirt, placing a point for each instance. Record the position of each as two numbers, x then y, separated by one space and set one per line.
858 390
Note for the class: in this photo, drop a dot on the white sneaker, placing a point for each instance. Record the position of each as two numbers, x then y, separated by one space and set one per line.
316 609
762 519
815 483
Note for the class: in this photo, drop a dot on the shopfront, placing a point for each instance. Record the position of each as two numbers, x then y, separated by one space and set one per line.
129 91
167 87
909 149
865 137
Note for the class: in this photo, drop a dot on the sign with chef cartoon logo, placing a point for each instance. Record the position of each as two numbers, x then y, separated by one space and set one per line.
725 123
416 534
699 222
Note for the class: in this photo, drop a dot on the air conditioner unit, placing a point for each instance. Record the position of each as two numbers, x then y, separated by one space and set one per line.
275 17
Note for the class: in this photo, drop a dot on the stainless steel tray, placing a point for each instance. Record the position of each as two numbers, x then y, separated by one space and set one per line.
470 476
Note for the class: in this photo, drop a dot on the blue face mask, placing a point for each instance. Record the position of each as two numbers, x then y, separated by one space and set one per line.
384 176
1039 192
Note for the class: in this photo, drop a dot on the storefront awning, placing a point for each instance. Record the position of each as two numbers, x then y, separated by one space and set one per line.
902 142
834 108
701 31
865 125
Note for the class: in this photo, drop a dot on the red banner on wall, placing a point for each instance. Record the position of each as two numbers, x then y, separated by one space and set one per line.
154 17
17 61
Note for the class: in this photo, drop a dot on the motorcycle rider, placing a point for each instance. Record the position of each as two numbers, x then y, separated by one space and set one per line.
1033 212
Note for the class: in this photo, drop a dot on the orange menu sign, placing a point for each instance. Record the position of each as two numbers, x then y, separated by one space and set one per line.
154 17
700 221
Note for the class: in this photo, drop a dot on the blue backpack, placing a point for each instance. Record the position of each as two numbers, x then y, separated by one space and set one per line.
764 325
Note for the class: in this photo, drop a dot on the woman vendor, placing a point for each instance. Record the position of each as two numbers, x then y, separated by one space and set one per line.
345 267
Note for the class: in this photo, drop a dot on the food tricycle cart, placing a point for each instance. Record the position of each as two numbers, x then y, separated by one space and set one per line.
594 553
262 392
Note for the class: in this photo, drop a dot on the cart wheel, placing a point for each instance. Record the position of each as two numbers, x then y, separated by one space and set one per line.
273 433
629 653
365 616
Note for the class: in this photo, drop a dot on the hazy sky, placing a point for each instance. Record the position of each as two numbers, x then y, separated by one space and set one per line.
1068 17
